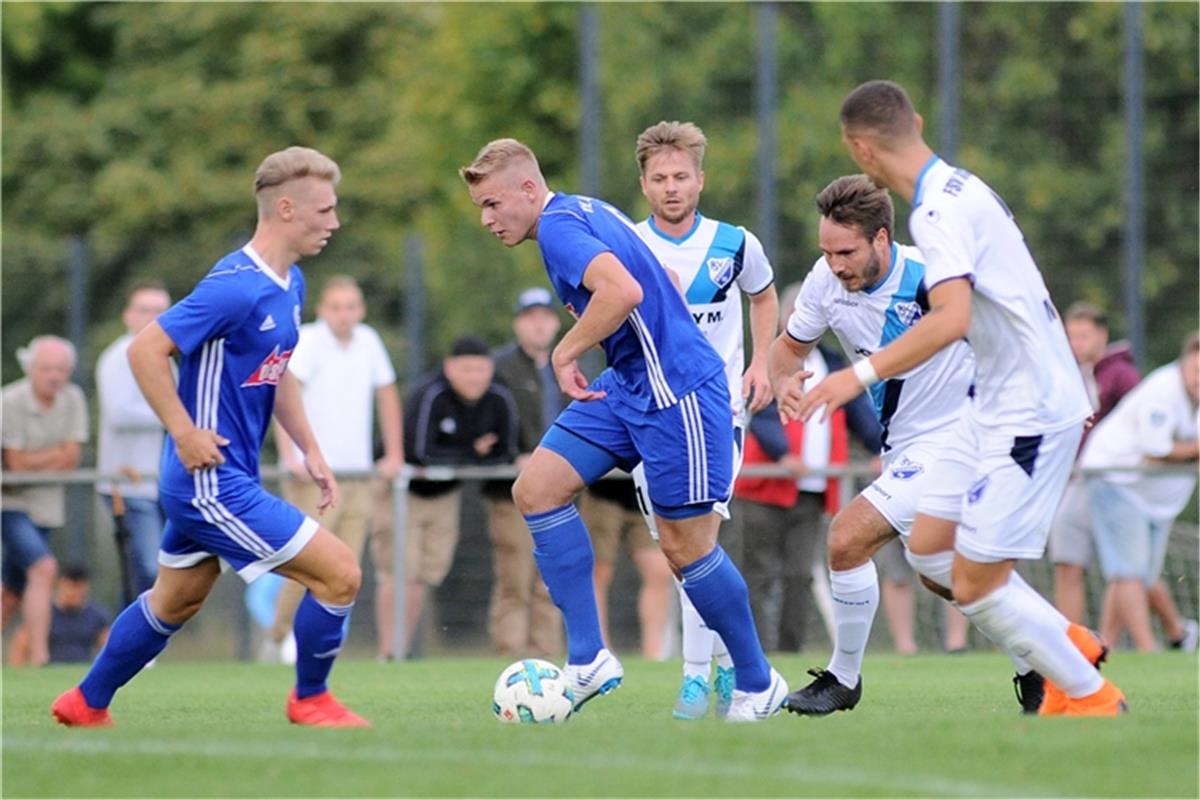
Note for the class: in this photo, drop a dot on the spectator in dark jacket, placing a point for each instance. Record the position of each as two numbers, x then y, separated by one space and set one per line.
457 417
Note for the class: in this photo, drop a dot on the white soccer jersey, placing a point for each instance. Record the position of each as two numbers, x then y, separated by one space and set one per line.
926 398
716 262
1148 421
1026 379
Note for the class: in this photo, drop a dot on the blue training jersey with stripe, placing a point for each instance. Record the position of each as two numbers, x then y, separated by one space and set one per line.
658 355
235 333
920 401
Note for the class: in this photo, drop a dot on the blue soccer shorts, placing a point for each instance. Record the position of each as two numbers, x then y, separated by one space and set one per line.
686 449
236 519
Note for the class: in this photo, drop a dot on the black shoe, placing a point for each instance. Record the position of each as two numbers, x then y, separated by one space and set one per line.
823 696
1030 689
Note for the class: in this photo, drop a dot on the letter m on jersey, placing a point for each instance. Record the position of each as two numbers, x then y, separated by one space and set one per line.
271 370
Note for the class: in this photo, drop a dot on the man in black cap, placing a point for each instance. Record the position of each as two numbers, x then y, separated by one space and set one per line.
458 416
522 620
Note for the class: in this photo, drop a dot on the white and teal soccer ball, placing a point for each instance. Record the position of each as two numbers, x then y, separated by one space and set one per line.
533 691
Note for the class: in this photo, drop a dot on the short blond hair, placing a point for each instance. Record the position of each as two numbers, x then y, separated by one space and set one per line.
685 136
495 156
292 164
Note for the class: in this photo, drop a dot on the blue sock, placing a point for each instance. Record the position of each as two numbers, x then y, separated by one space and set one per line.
718 592
319 629
135 637
563 551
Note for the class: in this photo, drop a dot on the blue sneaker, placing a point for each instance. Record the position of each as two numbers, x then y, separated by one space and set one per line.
693 698
723 686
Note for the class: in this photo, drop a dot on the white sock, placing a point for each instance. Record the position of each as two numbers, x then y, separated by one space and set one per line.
697 638
721 652
855 599
1021 623
937 567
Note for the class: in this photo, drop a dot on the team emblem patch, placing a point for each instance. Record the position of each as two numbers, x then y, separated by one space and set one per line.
908 312
720 270
1158 418
907 470
296 314
271 370
975 493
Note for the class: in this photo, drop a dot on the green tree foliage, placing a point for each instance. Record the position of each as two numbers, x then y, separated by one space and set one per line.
138 126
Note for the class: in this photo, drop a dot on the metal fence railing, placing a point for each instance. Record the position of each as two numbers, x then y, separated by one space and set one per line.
461 603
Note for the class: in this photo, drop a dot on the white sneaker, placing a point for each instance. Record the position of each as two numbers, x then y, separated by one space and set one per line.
753 706
268 651
1191 636
287 650
599 677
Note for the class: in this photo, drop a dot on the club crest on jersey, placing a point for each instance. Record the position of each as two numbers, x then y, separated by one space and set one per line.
720 270
296 314
271 370
908 312
975 493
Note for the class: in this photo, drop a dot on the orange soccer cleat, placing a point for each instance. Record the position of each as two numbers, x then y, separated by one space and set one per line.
1108 701
1094 650
323 711
71 709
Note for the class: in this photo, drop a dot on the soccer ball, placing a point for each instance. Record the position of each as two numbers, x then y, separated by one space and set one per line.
533 691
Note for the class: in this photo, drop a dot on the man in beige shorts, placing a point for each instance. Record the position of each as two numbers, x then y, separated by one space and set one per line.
346 378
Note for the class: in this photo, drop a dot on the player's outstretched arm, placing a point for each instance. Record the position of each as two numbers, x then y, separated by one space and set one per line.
785 362
947 321
764 321
150 359
615 294
289 411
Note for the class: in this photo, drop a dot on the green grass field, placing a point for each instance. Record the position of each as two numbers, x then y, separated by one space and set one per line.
930 725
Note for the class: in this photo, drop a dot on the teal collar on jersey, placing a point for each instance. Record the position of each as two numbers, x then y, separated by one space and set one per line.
677 239
888 274
933 159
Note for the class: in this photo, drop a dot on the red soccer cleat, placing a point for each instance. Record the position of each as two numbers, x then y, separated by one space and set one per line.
323 711
71 709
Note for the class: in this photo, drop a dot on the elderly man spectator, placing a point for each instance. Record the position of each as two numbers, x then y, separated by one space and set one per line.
45 426
131 438
1156 423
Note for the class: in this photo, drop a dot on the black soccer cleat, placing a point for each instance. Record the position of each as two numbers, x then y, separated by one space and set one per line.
1030 689
823 696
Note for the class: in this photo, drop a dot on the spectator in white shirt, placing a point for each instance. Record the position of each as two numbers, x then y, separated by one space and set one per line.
346 379
131 438
1156 423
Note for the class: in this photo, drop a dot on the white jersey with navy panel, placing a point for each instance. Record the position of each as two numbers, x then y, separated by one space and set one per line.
658 355
716 262
922 400
235 333
1027 381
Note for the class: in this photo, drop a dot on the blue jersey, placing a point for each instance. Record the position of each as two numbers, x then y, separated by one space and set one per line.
235 331
658 355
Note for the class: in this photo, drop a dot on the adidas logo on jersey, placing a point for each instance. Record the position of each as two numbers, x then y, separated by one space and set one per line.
268 324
